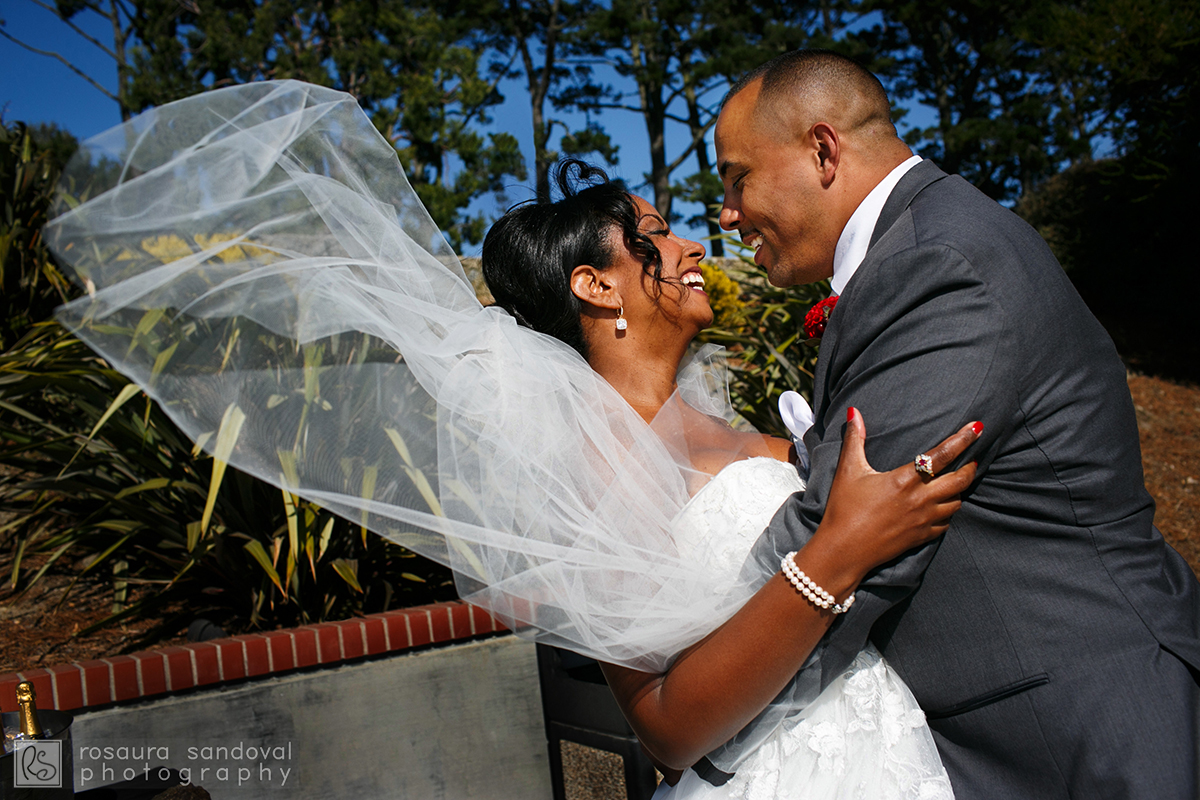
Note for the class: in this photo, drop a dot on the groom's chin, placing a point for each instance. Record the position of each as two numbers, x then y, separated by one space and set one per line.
784 274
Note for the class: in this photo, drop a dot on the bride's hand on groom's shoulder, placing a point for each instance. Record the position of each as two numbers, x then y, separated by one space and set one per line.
877 516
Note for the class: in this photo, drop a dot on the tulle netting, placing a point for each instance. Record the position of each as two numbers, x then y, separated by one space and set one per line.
256 260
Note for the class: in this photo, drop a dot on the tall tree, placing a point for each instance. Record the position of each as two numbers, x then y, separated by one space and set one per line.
417 73
1143 59
411 67
533 41
677 57
1131 208
1022 88
117 13
973 62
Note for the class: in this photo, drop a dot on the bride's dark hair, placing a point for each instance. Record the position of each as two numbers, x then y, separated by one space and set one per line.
530 253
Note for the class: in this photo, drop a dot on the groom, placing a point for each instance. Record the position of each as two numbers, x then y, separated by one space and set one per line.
1052 637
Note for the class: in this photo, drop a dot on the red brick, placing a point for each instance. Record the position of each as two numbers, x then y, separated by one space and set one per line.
460 621
68 687
491 623
481 621
329 643
258 657
96 683
420 630
233 661
152 671
439 617
8 691
352 638
283 657
179 668
206 661
304 642
399 632
42 684
124 678
376 635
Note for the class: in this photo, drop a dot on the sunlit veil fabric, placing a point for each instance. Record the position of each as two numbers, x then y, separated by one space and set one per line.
256 260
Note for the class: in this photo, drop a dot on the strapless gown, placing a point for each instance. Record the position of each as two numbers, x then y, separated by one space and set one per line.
864 737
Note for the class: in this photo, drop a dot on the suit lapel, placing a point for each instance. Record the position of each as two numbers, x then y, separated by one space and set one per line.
913 182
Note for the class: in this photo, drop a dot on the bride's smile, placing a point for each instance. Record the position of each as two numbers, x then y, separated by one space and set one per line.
677 296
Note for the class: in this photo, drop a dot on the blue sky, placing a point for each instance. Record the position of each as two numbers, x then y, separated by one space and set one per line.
37 88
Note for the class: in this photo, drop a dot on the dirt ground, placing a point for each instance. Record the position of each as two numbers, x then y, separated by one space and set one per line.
1168 417
37 631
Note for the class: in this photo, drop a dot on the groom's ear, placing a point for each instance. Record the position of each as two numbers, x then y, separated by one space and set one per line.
593 288
827 150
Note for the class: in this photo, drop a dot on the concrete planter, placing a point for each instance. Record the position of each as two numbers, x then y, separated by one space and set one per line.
409 704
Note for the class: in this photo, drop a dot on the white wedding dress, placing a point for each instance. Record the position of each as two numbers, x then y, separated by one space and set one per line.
864 738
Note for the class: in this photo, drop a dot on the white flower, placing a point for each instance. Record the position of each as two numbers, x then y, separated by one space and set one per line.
828 741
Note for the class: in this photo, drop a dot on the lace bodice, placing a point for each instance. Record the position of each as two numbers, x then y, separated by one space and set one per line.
865 737
722 522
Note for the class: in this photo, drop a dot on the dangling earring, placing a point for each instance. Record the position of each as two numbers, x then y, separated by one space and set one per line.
622 323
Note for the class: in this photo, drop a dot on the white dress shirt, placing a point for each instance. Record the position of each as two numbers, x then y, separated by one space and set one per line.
851 250
856 236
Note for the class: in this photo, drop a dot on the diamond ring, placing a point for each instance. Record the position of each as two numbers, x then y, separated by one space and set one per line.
924 464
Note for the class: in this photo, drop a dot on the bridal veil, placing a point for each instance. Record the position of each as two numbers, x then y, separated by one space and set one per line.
257 262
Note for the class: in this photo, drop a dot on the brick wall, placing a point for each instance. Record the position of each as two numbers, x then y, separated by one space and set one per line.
221 662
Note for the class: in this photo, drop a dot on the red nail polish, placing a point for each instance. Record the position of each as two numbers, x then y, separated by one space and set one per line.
977 428
850 412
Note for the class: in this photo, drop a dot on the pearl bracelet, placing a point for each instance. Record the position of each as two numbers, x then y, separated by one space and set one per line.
808 587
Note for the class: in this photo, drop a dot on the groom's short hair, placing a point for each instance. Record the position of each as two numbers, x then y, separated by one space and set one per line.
800 72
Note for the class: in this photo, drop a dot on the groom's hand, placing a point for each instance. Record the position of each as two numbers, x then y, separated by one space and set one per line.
878 516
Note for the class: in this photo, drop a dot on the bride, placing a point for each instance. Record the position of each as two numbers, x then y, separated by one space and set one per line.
603 272
256 261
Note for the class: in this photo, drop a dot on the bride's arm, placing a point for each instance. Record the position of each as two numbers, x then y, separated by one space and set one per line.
717 686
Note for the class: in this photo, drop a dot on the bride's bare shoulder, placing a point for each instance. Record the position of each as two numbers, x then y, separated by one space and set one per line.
723 445
780 449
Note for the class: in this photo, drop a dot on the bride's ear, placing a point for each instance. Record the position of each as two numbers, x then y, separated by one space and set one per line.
593 289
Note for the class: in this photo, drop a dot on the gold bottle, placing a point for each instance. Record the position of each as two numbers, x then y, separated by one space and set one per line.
31 727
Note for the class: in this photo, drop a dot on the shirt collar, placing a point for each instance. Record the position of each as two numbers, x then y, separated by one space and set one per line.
856 236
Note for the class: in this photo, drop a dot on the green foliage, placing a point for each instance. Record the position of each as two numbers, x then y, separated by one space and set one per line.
704 187
762 327
412 67
588 140
532 40
976 64
676 57
1143 61
1021 88
96 471
30 283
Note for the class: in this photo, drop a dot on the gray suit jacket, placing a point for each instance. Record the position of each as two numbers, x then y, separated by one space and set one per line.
1052 635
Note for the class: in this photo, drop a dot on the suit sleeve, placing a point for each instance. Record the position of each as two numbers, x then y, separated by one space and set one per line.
920 348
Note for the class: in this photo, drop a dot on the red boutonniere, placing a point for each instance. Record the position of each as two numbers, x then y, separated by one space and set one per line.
817 316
